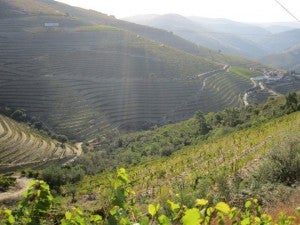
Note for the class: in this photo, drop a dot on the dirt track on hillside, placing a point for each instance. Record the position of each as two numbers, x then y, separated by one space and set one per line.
16 192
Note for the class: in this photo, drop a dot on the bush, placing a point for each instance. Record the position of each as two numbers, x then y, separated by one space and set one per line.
62 138
57 176
19 115
6 182
282 165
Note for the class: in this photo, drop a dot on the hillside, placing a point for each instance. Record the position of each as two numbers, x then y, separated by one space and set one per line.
248 153
22 147
289 59
238 153
73 16
114 149
88 73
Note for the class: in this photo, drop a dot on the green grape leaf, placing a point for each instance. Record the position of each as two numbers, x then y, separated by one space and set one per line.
152 210
95 218
201 202
210 211
191 217
173 205
144 221
123 175
223 207
248 204
114 210
68 215
246 221
163 220
10 217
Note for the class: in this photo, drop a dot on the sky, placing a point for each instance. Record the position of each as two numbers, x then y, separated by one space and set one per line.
252 11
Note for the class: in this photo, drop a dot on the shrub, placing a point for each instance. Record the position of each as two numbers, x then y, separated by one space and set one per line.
6 182
62 138
57 176
19 115
282 165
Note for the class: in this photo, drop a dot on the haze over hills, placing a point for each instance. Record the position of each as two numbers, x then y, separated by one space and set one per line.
289 59
281 41
219 34
247 31
279 26
284 50
248 40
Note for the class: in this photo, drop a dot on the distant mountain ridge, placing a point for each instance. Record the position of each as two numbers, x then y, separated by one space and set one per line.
247 40
289 59
207 32
281 41
279 27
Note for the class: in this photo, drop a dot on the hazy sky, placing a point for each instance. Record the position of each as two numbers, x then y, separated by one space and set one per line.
239 10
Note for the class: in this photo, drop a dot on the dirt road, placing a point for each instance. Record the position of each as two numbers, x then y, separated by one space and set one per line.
16 192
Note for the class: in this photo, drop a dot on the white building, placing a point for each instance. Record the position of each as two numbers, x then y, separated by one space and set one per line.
51 24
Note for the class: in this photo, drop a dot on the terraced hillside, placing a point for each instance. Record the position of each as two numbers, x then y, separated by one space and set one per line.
84 77
21 147
194 170
288 84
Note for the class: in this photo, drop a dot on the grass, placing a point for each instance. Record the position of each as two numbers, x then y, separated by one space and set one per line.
35 7
244 72
97 28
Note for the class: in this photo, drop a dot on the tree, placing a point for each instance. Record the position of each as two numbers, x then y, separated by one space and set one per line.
62 138
291 102
203 127
19 115
231 117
